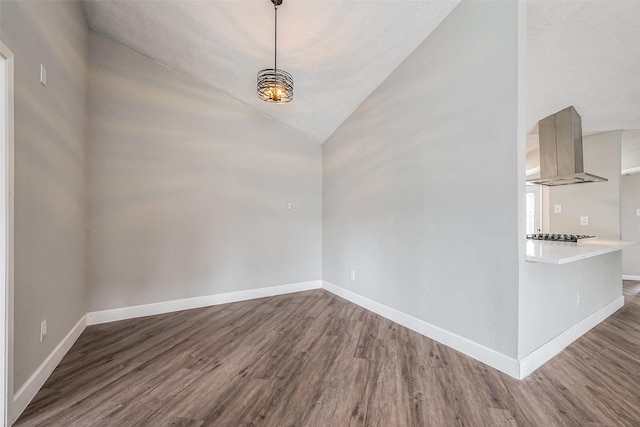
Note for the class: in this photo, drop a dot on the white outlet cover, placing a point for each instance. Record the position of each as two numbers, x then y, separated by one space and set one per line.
43 75
584 220
557 208
43 330
637 212
353 275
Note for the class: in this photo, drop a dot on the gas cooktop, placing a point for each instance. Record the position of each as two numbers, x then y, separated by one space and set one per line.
558 237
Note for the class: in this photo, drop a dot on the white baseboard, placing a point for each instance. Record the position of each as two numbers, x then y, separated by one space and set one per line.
114 314
490 357
543 354
33 384
630 277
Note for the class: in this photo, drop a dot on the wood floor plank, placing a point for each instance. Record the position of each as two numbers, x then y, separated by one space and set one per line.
313 359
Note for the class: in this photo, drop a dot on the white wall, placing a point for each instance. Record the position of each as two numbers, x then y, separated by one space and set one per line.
600 201
533 161
629 205
50 193
189 189
398 205
631 150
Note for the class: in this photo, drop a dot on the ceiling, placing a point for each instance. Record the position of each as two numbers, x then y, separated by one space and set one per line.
585 54
337 51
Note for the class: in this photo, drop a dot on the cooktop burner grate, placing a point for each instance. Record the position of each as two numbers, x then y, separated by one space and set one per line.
558 237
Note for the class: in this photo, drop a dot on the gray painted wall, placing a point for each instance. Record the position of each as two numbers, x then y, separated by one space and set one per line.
549 296
630 203
188 189
600 201
399 205
50 193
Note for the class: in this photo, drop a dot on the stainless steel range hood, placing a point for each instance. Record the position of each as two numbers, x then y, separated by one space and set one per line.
561 150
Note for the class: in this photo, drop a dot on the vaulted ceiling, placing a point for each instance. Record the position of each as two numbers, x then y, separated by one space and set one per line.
585 54
337 51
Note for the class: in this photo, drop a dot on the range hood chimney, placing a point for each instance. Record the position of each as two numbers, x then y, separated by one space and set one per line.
561 150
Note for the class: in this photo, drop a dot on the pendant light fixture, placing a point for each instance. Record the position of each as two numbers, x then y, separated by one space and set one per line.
275 86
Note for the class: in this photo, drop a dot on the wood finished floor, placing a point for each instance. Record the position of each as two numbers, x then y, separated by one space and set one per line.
313 359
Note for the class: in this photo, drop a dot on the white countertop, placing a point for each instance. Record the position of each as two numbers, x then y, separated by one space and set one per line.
563 252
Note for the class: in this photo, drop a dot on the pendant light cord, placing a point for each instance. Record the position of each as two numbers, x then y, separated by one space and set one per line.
275 38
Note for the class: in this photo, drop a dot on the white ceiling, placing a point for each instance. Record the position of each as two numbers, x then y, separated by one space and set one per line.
337 51
585 54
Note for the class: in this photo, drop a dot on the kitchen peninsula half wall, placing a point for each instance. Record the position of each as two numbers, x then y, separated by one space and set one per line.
565 290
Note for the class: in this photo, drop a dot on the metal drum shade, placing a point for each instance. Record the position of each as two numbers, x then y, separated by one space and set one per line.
275 86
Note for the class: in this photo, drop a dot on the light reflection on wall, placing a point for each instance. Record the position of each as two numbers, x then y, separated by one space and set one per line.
50 184
188 188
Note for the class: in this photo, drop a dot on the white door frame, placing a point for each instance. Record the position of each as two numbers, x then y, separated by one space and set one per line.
6 235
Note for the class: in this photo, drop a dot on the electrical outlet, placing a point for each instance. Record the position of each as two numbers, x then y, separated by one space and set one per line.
43 75
557 208
584 220
637 212
353 275
577 300
290 205
43 330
